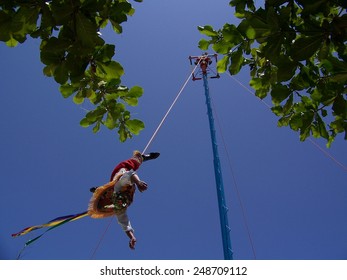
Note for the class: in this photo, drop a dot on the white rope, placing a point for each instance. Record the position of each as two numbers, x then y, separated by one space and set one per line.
169 110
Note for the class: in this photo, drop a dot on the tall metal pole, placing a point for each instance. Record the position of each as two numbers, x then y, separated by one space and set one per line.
204 61
223 210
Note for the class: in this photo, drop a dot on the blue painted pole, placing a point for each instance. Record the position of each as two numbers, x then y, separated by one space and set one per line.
223 210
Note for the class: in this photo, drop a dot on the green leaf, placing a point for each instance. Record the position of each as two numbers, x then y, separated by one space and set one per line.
78 98
131 101
279 93
135 91
256 83
86 30
305 129
222 47
295 122
284 121
223 64
135 126
61 74
67 90
305 47
132 96
49 70
123 135
313 7
11 42
337 65
255 28
28 17
338 125
324 50
289 104
61 11
278 110
5 25
272 48
262 92
110 122
299 82
53 50
90 94
237 60
204 44
208 31
286 68
96 115
85 122
105 53
116 27
321 127
109 71
340 106
339 77
231 34
304 133
115 110
316 95
96 128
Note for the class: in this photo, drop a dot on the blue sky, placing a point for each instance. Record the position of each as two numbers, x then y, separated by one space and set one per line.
294 196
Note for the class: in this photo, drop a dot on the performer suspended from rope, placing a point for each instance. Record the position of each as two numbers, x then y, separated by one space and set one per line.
108 200
126 178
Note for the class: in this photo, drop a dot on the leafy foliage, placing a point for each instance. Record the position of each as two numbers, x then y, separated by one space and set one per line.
76 56
296 51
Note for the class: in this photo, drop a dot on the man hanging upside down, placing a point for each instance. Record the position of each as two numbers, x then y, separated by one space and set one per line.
124 189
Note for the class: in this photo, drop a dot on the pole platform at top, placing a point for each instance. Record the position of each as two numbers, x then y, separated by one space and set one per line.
204 61
202 74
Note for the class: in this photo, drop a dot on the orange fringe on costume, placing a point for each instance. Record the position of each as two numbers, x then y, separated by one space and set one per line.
102 197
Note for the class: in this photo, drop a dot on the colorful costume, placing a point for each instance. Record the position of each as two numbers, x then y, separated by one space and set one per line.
121 196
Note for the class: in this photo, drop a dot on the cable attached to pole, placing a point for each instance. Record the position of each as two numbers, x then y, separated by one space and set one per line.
169 110
322 150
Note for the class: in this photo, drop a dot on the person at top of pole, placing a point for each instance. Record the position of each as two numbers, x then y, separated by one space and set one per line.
124 189
204 62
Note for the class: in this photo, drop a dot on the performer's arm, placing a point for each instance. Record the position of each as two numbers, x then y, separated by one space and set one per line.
142 186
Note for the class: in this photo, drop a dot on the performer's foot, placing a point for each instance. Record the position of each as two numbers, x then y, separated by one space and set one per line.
150 156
